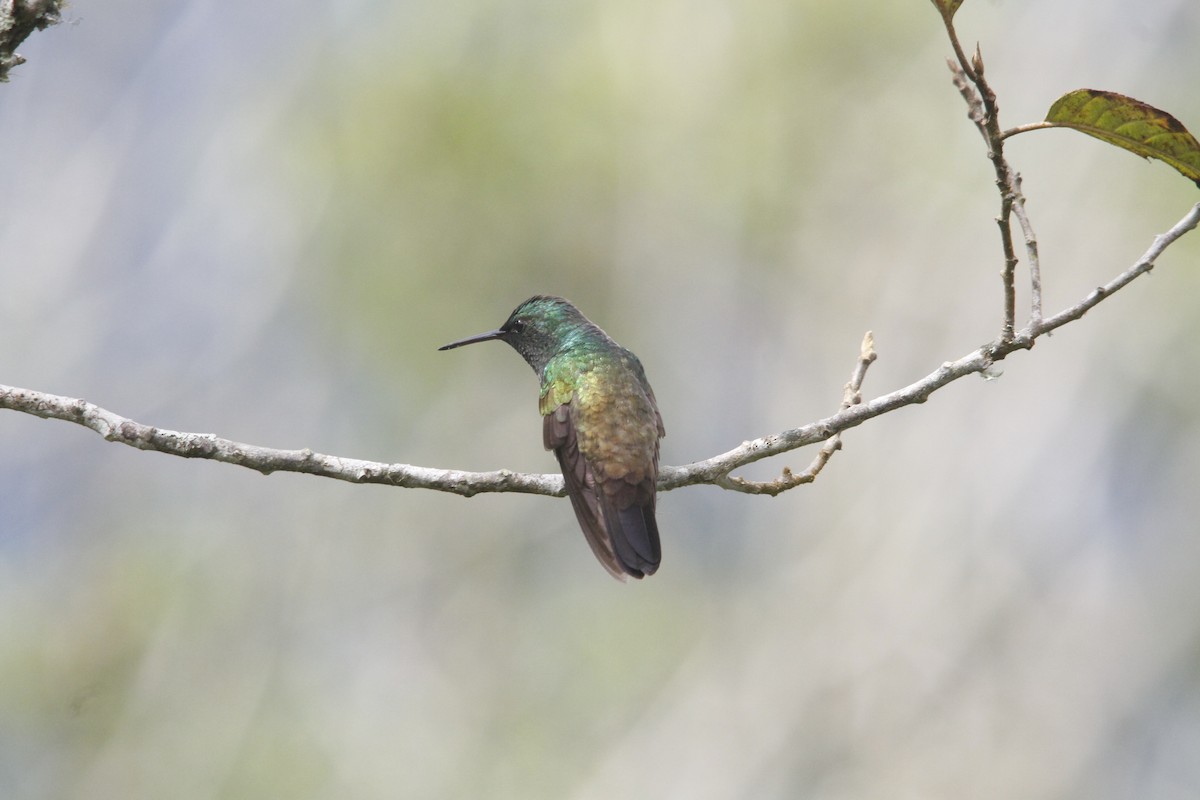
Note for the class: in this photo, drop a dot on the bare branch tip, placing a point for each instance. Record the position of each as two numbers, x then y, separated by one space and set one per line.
867 350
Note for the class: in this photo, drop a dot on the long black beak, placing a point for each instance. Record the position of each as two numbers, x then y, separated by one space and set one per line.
483 337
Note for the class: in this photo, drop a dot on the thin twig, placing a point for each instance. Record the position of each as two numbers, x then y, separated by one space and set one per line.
1140 267
851 396
979 93
1031 249
1009 274
975 110
1032 126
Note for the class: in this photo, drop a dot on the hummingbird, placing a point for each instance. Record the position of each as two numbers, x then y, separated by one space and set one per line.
600 418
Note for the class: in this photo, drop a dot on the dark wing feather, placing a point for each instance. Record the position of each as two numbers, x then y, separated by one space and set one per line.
558 434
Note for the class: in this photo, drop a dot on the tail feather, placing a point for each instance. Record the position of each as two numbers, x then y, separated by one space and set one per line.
633 532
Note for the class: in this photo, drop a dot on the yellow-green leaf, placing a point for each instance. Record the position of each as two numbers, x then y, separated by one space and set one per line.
947 7
1129 124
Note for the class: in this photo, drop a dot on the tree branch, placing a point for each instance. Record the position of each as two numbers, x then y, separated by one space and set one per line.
18 19
716 470
984 111
851 396
115 428
982 361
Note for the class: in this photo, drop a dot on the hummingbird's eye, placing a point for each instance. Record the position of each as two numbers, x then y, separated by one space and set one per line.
517 326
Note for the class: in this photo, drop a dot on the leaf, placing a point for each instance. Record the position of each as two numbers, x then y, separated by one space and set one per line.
1131 125
947 7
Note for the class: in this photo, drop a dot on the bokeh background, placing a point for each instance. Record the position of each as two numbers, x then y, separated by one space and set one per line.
260 220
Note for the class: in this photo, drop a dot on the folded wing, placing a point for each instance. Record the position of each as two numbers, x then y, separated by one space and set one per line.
617 517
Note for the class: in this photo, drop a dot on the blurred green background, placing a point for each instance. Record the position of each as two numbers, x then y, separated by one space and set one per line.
260 220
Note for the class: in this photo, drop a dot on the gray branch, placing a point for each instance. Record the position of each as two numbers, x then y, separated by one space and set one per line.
716 470
18 19
981 361
115 428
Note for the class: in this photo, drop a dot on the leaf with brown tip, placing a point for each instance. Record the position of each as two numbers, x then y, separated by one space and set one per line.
1131 125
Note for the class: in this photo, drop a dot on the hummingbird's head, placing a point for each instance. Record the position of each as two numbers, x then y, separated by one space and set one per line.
538 329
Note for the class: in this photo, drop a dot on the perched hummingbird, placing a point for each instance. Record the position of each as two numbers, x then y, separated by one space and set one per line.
600 418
